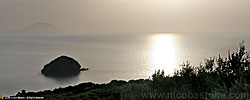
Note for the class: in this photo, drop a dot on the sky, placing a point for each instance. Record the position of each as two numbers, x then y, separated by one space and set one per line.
128 16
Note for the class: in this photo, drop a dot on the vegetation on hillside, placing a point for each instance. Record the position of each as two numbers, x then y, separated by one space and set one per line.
218 79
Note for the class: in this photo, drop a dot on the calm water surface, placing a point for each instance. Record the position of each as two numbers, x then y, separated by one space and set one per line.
121 57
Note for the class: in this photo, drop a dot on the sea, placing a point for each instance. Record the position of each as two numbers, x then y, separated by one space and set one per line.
108 56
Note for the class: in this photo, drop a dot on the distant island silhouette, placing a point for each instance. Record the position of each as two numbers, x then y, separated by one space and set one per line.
40 27
62 66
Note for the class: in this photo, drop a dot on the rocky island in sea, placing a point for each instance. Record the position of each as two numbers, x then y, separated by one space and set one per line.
62 66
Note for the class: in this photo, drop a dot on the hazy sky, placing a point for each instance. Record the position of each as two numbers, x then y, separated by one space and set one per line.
133 16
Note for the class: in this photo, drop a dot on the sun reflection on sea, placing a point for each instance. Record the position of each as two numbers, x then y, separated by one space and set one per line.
163 55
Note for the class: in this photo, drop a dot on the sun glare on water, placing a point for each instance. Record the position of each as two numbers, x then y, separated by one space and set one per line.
163 55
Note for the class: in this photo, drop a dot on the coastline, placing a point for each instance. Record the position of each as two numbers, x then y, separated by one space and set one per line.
225 77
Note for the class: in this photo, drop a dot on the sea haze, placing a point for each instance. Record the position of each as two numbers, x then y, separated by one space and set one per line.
121 57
